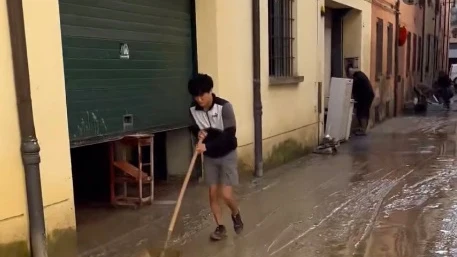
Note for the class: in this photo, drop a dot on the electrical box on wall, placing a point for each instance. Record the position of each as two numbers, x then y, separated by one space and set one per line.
127 122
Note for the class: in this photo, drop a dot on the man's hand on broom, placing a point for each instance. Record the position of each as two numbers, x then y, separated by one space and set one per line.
202 135
201 148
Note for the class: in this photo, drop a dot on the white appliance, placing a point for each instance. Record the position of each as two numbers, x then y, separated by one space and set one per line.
340 108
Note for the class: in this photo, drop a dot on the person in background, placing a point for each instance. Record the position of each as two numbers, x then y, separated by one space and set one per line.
363 95
443 88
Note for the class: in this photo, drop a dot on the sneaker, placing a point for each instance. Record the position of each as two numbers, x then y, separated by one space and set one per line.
237 223
360 133
219 233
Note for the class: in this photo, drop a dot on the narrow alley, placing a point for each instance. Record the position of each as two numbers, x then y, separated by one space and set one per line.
99 137
392 193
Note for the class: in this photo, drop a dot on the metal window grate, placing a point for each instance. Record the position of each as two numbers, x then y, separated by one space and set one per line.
428 54
408 54
437 53
379 46
419 54
281 39
390 42
414 63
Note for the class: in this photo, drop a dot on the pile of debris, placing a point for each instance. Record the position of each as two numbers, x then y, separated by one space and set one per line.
328 146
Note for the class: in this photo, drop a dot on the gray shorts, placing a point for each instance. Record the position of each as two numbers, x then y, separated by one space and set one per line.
221 171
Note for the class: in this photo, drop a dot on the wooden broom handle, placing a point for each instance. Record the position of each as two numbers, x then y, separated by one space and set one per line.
183 190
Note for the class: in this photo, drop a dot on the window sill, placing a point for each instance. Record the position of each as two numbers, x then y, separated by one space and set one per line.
293 80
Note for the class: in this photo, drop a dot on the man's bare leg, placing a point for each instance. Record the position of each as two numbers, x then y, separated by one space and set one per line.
220 231
214 204
227 195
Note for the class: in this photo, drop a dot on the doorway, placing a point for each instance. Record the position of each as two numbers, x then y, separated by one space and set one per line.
333 49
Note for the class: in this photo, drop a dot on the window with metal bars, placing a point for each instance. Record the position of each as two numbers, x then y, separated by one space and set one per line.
414 62
281 38
428 54
390 47
419 54
379 47
408 54
437 53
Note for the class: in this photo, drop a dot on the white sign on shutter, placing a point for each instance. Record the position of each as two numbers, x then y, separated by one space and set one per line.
124 51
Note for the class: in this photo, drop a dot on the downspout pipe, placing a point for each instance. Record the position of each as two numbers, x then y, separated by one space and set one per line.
443 54
435 44
257 100
448 35
397 48
30 150
424 8
438 37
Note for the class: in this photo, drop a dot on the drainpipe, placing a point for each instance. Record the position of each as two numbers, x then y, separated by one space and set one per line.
435 48
258 158
444 33
423 40
397 49
438 29
30 150
448 24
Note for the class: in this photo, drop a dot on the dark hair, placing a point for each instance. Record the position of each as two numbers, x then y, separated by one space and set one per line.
200 84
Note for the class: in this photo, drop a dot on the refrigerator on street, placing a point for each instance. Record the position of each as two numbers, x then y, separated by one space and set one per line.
340 108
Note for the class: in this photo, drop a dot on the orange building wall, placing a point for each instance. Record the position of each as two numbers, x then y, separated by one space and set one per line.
411 16
413 19
383 85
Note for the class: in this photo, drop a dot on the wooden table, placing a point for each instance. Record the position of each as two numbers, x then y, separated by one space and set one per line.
124 174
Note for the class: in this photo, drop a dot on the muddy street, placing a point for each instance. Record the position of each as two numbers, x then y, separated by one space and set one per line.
392 193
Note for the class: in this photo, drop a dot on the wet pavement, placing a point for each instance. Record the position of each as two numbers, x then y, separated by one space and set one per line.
392 193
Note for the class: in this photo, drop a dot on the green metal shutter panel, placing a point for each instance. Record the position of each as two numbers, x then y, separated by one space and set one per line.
151 85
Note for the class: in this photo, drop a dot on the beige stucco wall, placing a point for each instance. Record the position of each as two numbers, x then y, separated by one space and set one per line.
224 43
357 32
50 115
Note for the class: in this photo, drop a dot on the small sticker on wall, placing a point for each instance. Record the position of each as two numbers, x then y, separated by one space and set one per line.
124 51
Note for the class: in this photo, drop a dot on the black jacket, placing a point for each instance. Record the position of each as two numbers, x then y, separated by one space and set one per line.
362 91
220 124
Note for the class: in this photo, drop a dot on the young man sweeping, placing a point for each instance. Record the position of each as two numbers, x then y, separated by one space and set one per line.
214 122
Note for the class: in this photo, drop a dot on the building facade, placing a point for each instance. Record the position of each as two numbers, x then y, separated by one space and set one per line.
411 18
419 54
122 68
293 121
49 108
383 55
347 39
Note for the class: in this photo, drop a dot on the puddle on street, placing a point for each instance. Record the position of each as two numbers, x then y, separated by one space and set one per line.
404 211
417 217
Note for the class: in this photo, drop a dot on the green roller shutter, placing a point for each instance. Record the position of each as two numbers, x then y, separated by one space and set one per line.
147 87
